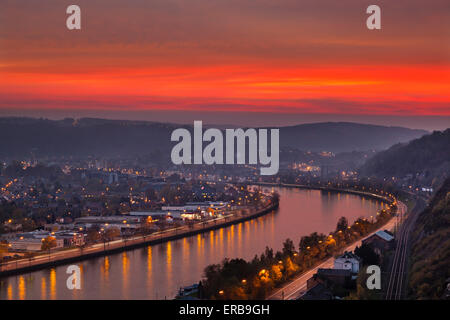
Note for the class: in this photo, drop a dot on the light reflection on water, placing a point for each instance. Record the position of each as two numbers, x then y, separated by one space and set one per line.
157 272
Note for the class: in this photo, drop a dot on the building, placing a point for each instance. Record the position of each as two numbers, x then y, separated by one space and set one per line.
201 206
380 242
71 239
329 277
31 244
348 261
203 191
123 223
318 292
156 215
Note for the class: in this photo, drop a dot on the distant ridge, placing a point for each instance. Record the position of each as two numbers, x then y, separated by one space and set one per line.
345 136
23 137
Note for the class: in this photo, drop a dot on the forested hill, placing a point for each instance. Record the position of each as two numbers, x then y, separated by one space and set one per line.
345 136
25 137
428 155
430 265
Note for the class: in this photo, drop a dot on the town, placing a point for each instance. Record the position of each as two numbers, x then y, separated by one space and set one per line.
51 208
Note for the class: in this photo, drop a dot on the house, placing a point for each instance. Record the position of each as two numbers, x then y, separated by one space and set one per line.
380 241
318 292
333 276
203 191
348 261
71 239
94 207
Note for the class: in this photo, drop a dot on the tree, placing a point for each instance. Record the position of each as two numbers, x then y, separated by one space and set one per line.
93 235
342 224
310 241
48 243
3 249
288 247
367 254
111 233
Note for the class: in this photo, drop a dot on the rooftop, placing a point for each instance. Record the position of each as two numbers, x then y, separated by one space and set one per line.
384 235
334 272
348 255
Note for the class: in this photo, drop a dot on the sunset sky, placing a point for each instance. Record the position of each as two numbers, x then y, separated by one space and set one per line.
261 62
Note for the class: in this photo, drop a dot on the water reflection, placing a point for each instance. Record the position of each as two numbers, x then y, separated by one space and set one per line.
52 283
43 288
125 274
21 288
157 272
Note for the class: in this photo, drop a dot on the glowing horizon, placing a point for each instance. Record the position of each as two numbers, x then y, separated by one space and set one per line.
292 57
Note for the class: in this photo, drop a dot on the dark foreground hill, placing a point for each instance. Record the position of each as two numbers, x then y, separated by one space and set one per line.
25 137
430 262
427 156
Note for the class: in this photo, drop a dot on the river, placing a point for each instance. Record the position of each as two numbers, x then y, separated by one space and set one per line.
157 272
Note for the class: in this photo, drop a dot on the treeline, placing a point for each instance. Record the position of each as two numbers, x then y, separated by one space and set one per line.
240 279
430 262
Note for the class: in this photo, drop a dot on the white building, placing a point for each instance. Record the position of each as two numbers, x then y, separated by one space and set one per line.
32 244
348 261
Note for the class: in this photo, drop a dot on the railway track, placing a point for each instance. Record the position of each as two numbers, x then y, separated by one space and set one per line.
397 275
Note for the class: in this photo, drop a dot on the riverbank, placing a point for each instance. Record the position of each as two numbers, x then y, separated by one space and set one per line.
73 255
294 288
101 249
256 278
349 191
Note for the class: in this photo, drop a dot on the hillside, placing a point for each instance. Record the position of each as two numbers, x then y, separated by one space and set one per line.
25 137
345 136
430 263
40 137
428 155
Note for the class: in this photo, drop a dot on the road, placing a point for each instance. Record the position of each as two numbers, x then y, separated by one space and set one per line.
297 287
